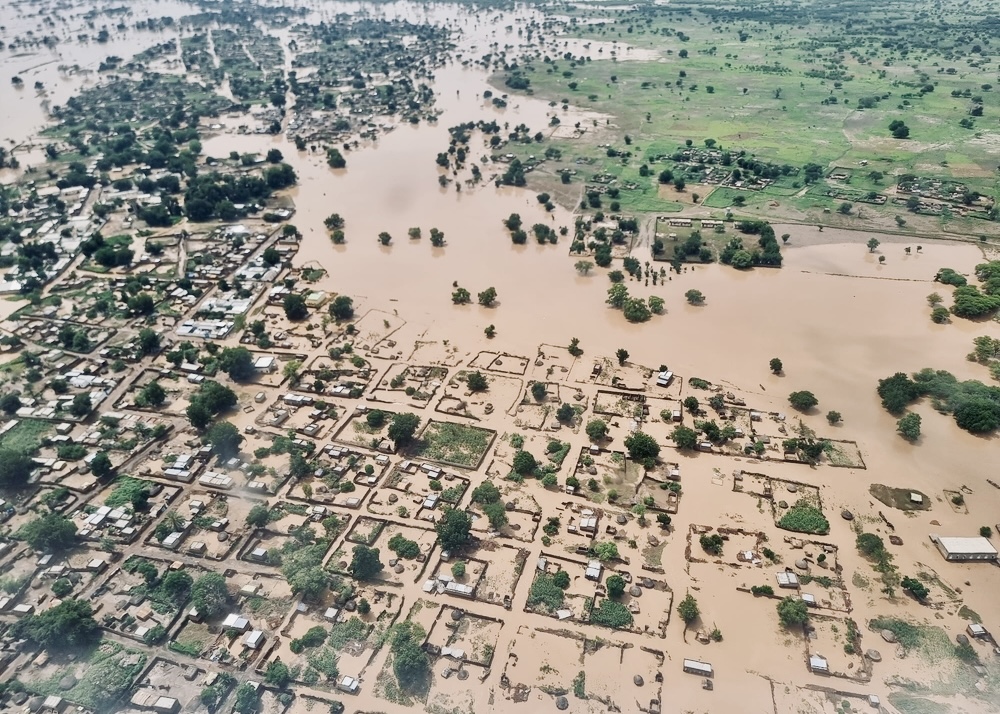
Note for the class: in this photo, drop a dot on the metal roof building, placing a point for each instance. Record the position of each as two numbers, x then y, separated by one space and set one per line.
965 549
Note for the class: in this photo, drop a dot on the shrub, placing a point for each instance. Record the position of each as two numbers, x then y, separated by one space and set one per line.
762 590
545 593
711 544
792 611
611 614
803 517
403 547
688 609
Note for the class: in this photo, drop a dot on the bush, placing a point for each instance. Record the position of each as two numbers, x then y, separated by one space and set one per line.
803 517
561 579
762 590
611 614
476 382
545 593
792 611
616 586
688 609
403 547
803 401
915 588
524 463
711 544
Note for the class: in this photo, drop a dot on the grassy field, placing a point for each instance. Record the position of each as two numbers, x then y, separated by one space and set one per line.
26 436
453 443
789 86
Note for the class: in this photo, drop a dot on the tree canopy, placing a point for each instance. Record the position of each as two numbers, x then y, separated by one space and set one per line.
49 533
15 468
453 529
68 624
402 428
365 563
642 447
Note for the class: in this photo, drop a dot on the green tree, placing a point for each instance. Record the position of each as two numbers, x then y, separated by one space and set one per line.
622 354
409 661
538 391
487 297
10 403
596 430
833 417
616 586
259 516
101 466
295 307
565 413
476 382
176 585
617 295
524 463
342 308
153 394
237 362
271 256
776 366
691 404
49 533
81 405
402 428
642 447
210 595
605 550
225 439
68 624
15 468
198 414
684 437
872 244
688 609
365 563
694 297
277 674
461 296
62 587
453 529
803 401
792 611
486 492
909 426
916 588
496 514
246 699
310 581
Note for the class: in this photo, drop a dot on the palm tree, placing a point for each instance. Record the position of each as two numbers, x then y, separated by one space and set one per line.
174 521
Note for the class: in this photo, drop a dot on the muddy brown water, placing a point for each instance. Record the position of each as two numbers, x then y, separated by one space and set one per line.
837 318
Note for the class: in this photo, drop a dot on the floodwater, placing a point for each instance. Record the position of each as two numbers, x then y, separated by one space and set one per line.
837 318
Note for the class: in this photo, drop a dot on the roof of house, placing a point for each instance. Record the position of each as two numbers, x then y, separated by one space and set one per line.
966 545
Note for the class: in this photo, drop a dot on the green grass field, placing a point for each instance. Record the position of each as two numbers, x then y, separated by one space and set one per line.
789 86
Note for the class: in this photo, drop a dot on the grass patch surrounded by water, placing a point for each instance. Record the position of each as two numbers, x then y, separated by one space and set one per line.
899 498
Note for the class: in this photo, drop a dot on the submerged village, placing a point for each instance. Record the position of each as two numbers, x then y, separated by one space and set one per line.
345 368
